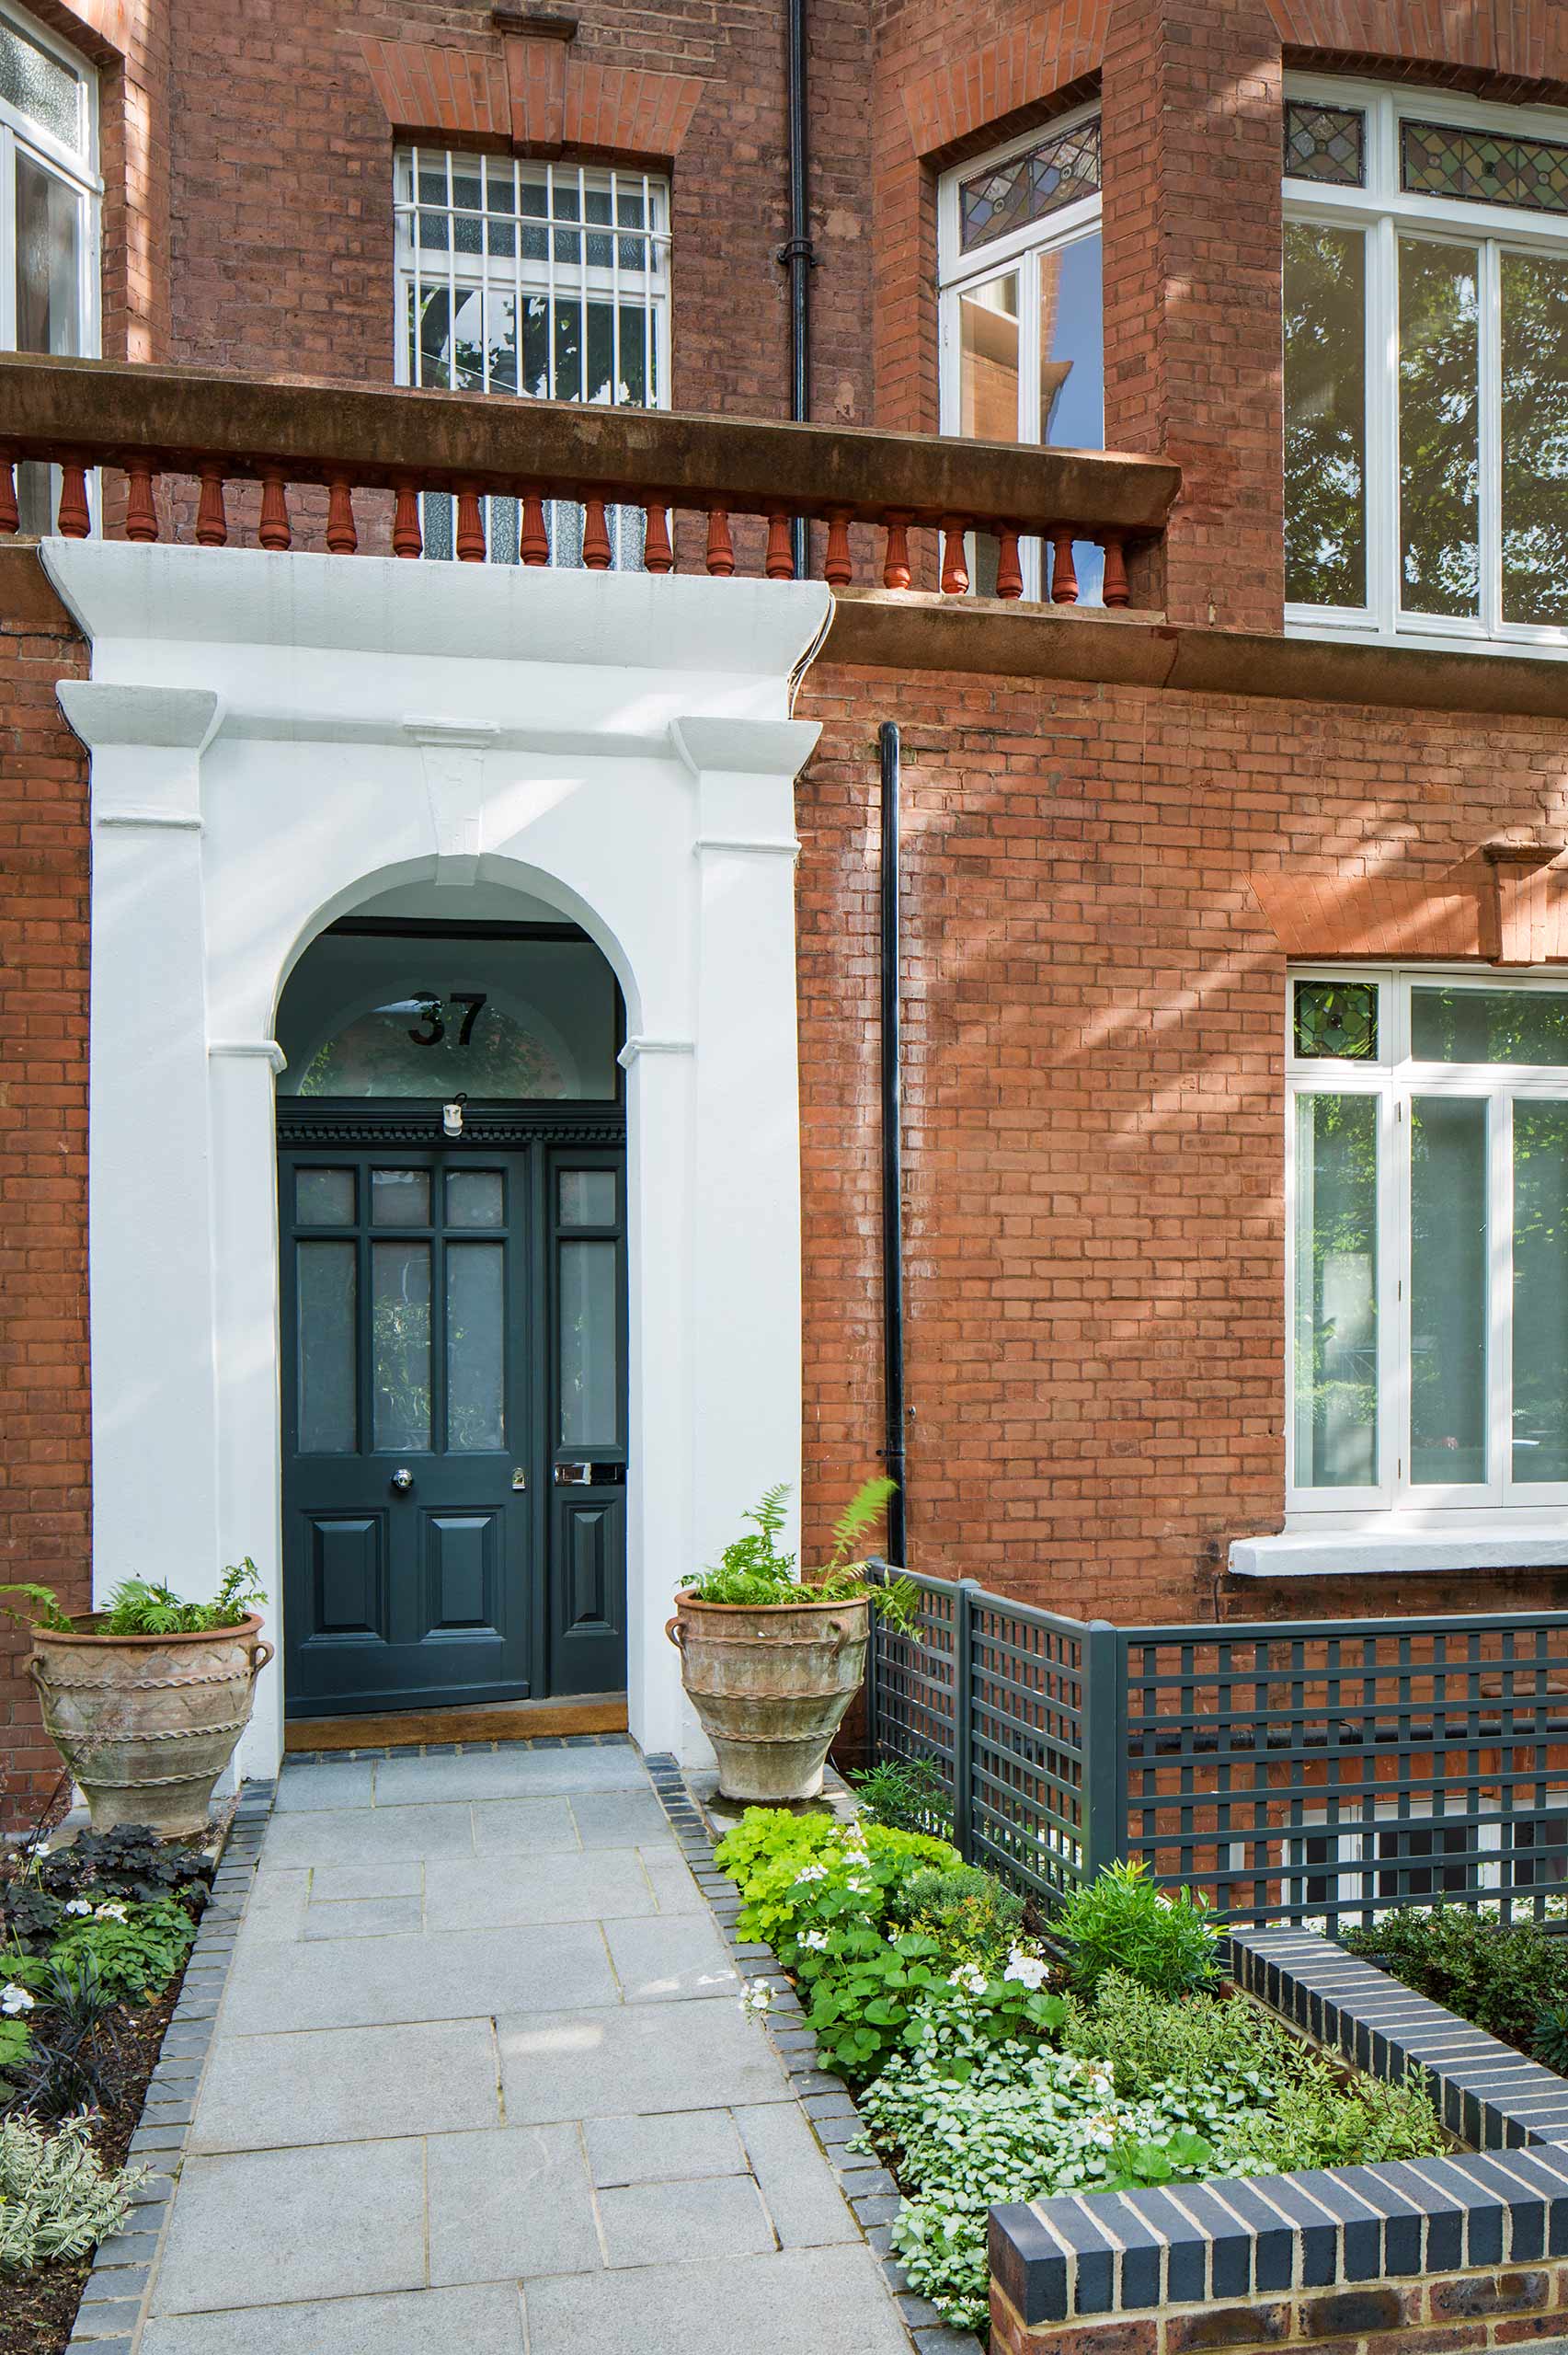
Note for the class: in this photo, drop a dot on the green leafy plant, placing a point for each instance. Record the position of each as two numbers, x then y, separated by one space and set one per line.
57 2199
794 1873
1549 2042
1502 1976
15 2050
1326 2120
137 1607
973 1917
870 1994
130 1861
1147 2041
752 1570
134 1950
1121 1921
71 2053
910 1793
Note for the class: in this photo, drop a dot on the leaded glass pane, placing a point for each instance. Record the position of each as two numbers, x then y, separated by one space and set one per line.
1325 144
1325 415
1535 437
1029 187
1338 1019
1484 167
1439 409
42 86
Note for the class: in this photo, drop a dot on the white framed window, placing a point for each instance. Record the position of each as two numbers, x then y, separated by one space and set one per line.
1427 1200
1020 310
1383 1856
49 198
546 281
1425 362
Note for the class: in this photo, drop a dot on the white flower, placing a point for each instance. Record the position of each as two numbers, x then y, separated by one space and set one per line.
816 1939
110 1912
14 2000
757 1999
34 1847
811 1872
1027 1969
79 1905
972 1981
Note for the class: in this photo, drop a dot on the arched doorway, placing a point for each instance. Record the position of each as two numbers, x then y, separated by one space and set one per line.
453 1223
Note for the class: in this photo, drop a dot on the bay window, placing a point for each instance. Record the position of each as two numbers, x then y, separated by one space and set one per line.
1020 310
1428 1187
1426 367
548 282
48 209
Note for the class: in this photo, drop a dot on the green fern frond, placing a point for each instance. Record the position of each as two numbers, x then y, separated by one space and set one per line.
863 1510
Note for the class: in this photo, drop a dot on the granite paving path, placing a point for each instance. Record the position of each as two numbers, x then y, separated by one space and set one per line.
482 2080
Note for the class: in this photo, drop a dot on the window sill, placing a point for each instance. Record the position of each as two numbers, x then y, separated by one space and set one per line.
1362 1552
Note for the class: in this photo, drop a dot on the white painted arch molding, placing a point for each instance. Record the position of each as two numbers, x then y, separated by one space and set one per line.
277 738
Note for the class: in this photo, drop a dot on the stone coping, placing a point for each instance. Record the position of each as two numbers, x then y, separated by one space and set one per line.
1503 2203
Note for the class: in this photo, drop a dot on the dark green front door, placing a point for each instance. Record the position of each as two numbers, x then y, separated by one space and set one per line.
454 1405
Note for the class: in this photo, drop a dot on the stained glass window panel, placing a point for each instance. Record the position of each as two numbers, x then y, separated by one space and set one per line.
1484 167
1030 186
1326 143
1338 1019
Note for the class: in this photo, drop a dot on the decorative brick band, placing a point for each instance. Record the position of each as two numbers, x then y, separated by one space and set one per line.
1343 2254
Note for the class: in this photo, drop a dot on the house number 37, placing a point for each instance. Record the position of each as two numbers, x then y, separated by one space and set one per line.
432 1030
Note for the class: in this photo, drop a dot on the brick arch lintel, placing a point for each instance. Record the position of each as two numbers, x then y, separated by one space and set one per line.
533 95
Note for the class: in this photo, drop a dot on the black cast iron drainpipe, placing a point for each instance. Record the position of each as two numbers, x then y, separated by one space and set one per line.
892 1147
796 253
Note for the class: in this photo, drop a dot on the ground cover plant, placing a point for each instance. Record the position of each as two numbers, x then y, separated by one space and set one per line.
1510 1977
989 2071
94 1937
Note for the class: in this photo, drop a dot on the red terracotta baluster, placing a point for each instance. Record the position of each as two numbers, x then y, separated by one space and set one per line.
1116 592
721 553
273 529
341 538
406 535
470 526
595 537
895 573
955 564
837 567
73 521
1009 571
211 524
533 540
9 520
1064 579
658 555
140 512
779 563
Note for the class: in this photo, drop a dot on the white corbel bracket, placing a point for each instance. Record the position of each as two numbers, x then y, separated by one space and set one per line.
453 754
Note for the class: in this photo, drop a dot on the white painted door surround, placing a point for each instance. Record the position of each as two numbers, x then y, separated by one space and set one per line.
277 738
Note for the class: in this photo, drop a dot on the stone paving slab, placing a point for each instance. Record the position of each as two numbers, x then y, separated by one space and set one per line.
481 2080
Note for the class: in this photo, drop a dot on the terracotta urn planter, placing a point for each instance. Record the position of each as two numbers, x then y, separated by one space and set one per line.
771 1684
146 1724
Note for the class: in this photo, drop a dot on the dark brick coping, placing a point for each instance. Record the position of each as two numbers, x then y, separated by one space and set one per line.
1112 2253
112 2299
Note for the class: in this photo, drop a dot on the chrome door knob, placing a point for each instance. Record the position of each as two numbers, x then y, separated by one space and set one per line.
403 1481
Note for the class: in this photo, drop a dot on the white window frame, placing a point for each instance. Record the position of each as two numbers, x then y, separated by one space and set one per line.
1393 1077
19 130
959 274
1385 212
561 284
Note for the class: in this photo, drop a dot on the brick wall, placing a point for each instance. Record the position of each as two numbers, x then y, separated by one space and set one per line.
1095 1102
44 1436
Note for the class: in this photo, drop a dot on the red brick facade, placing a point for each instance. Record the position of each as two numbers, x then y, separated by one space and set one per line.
1094 976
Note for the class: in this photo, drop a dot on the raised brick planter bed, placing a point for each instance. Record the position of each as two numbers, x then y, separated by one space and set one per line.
1417 2254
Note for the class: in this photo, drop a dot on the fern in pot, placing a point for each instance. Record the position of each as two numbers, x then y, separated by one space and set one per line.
771 1659
145 1699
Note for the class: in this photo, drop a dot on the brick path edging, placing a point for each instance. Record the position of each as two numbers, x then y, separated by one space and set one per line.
873 2194
1418 2256
116 2289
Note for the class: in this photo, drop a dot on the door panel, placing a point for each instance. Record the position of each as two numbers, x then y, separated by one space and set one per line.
455 1411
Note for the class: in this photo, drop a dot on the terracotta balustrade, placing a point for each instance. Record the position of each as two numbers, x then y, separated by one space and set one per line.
95 418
